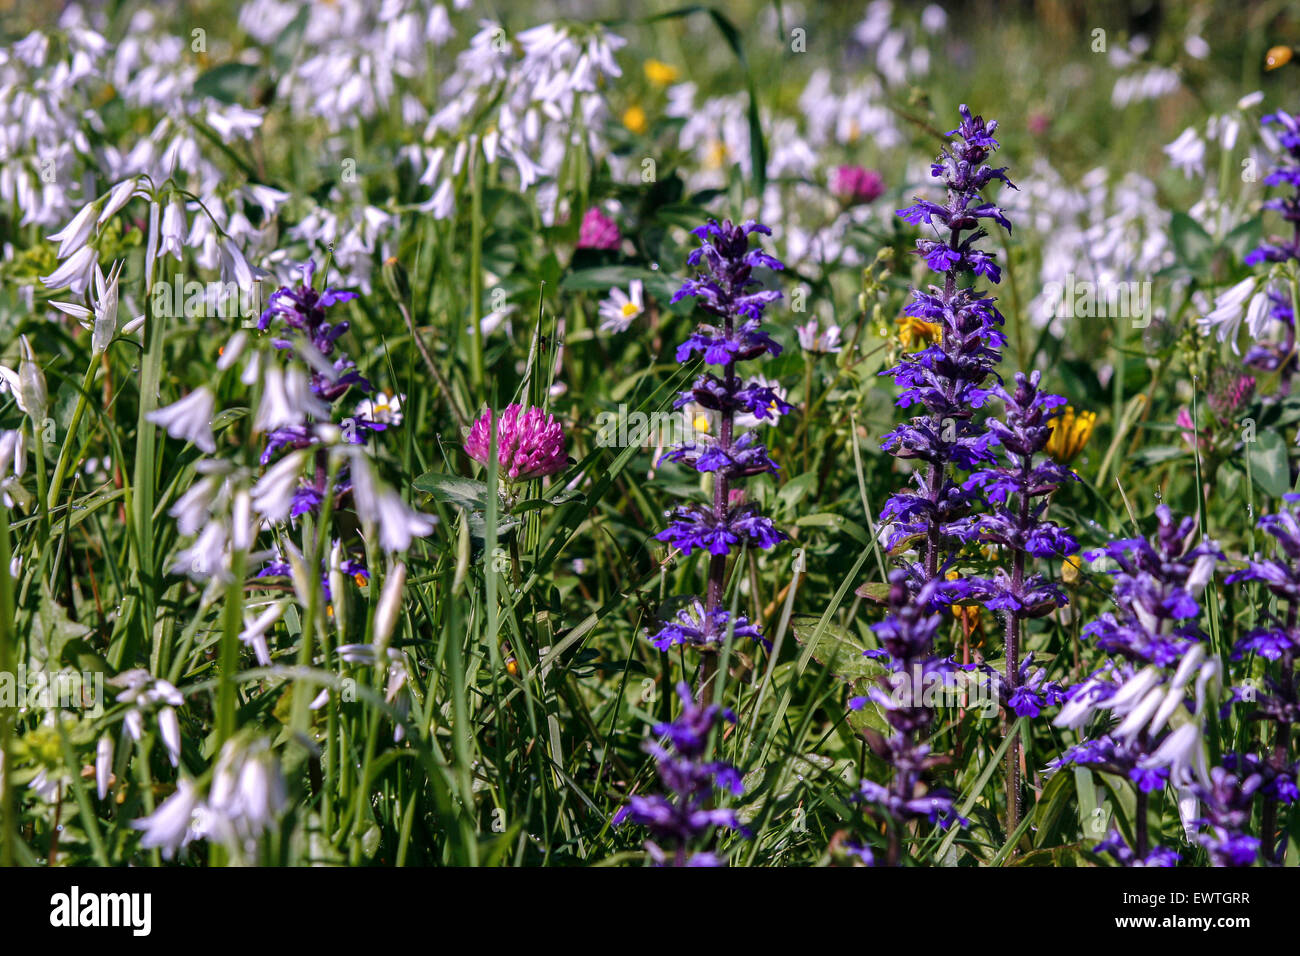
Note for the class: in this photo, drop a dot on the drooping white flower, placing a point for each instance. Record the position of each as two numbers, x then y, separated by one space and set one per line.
171 825
273 494
1250 100
812 339
206 558
287 399
169 729
254 632
247 794
74 236
103 765
118 197
75 273
189 419
234 267
172 234
13 462
1230 307
1183 752
1196 46
390 604
1187 153
398 523
143 693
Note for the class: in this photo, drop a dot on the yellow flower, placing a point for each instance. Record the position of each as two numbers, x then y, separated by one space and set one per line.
913 331
1070 569
635 120
1277 56
660 73
1070 432
716 156
969 616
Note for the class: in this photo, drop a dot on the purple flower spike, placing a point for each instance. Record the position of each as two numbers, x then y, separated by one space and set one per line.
682 816
902 695
947 379
727 288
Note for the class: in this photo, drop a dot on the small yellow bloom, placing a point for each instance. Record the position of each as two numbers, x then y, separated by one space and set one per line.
913 331
1070 432
969 616
1070 569
660 73
634 119
717 155
1277 56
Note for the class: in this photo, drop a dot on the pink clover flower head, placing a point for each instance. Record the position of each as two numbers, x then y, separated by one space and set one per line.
856 184
530 442
598 231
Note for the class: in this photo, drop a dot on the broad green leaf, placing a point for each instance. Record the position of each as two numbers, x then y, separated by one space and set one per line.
453 489
1268 463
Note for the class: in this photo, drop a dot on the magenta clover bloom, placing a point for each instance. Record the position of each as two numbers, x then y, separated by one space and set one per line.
856 184
530 442
598 231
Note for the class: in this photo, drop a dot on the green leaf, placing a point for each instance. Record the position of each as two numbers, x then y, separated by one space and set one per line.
837 649
1192 244
1269 465
877 591
290 38
52 629
1245 237
227 82
454 489
869 716
603 278
827 519
1051 807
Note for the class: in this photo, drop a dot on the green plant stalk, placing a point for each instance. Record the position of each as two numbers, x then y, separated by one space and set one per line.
143 487
8 643
299 714
65 451
476 271
228 653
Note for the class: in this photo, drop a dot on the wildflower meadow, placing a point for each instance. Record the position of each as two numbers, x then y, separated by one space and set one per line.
770 434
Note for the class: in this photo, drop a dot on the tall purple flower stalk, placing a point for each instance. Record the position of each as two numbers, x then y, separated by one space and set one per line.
1159 669
1277 642
1018 493
948 378
1280 357
727 289
906 638
1229 801
682 817
299 322
1286 173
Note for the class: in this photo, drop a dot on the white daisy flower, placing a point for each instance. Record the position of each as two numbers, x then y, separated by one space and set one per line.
381 408
619 310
